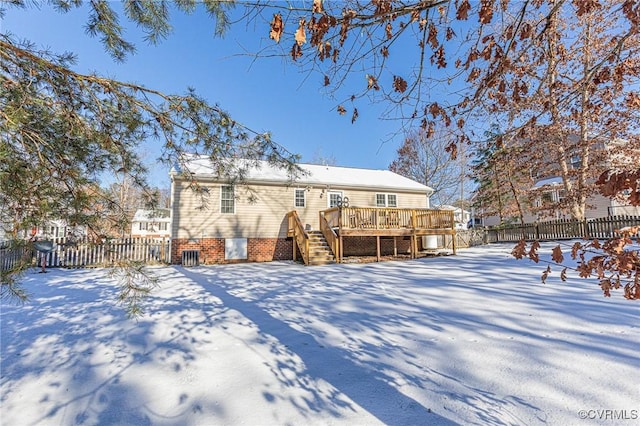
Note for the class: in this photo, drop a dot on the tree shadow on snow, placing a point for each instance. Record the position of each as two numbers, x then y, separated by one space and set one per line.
360 382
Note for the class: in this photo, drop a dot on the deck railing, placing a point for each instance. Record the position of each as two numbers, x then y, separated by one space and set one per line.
329 234
390 218
296 230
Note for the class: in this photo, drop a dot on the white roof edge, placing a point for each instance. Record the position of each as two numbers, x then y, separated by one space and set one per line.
332 185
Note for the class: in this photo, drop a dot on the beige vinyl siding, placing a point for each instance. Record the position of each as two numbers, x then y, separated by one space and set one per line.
261 209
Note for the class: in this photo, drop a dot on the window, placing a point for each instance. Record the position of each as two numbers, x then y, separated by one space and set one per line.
163 226
576 161
334 198
143 226
392 200
386 200
227 200
299 198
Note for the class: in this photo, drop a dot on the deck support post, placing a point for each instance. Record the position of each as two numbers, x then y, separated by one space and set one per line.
378 248
295 248
395 246
414 246
453 242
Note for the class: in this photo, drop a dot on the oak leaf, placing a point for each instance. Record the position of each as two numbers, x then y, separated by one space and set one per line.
450 33
545 274
277 27
389 31
341 110
520 250
556 254
486 11
533 252
372 82
317 6
301 34
574 250
452 149
399 84
354 116
462 13
296 51
433 36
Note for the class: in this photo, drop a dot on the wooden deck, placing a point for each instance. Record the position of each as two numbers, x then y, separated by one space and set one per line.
339 223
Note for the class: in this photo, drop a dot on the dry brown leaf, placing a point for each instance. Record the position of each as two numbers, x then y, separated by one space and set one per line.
520 250
277 27
533 251
462 13
301 34
389 30
486 11
545 274
399 84
556 254
372 82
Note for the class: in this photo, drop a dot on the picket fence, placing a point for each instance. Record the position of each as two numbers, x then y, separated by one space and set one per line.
91 253
600 228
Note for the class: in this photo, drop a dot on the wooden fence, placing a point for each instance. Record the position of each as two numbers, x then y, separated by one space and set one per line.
600 228
85 253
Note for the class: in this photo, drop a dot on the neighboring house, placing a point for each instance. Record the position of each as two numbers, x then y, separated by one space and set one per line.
548 190
151 223
55 229
552 191
253 220
460 216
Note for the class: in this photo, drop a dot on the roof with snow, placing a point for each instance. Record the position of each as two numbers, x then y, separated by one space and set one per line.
553 181
157 215
315 175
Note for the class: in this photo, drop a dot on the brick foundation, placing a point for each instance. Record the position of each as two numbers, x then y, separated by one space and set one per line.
212 250
270 249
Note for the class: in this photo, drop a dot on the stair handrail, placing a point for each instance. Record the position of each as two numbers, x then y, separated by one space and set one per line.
296 229
330 235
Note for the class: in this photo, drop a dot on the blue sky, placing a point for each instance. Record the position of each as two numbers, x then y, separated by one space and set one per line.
268 94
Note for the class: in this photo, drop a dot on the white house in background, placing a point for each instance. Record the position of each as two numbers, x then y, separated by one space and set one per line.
55 229
460 216
151 224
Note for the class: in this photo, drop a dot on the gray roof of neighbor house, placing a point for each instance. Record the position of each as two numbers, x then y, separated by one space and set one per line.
315 175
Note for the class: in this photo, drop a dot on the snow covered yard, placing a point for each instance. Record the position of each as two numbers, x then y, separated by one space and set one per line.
467 339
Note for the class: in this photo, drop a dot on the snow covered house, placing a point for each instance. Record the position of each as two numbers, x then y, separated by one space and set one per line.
151 223
327 213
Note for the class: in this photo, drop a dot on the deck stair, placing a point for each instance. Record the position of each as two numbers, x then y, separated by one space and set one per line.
319 250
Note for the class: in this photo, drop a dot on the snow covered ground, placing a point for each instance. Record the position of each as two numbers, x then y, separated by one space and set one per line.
468 339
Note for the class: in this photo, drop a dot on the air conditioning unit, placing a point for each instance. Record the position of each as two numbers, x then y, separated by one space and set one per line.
430 242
